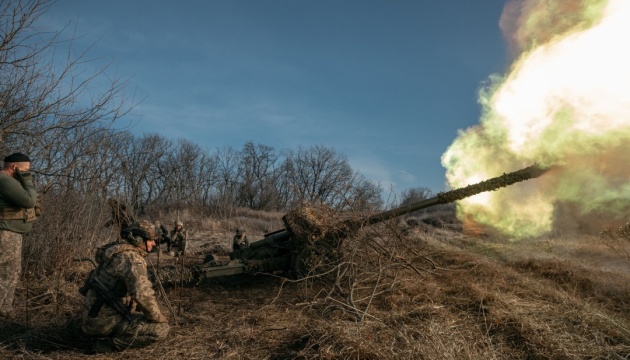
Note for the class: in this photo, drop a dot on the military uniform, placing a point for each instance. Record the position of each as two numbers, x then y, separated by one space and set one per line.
239 241
122 269
121 216
178 238
162 235
18 198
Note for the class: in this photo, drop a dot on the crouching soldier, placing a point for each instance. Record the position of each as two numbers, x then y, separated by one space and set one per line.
239 241
178 238
116 288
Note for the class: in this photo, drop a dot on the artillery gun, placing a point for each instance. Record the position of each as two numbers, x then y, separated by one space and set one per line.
312 236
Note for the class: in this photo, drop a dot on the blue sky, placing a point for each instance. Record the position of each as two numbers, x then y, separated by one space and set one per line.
387 83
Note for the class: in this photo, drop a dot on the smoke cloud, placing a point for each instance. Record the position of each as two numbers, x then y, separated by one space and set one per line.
564 102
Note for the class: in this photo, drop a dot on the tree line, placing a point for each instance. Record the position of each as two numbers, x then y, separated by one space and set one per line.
152 171
69 114
56 109
71 128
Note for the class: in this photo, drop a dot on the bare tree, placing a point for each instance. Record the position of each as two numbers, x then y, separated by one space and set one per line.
187 175
415 194
363 194
138 167
227 174
50 110
40 98
320 175
257 177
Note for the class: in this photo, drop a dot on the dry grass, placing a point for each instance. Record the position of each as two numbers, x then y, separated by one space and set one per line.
420 292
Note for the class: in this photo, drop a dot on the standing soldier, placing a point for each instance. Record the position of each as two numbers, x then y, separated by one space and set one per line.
18 197
117 286
178 238
121 216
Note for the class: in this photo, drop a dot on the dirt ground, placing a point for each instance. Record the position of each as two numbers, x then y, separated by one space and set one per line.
457 297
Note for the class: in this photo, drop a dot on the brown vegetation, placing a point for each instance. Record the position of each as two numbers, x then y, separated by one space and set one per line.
400 291
422 287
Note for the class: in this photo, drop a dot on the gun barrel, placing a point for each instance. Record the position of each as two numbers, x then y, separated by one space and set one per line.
492 184
290 248
271 238
399 211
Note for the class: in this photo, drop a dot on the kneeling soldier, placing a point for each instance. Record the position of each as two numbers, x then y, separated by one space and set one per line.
117 287
178 238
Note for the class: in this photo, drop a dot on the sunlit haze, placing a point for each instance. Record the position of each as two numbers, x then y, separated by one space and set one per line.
564 102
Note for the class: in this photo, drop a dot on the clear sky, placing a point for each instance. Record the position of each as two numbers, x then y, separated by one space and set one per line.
387 83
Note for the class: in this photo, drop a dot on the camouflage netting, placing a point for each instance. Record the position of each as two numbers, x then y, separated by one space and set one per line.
317 225
174 274
318 231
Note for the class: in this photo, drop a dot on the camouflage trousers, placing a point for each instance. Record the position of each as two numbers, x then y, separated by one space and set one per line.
138 333
10 267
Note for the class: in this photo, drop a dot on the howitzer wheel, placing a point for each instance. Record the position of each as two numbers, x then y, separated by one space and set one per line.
312 261
209 258
302 263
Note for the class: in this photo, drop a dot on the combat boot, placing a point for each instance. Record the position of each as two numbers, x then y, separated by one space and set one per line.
103 346
7 312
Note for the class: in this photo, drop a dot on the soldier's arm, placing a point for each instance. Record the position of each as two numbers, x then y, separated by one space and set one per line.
18 194
132 268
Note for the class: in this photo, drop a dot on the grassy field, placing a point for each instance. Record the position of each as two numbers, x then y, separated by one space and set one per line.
405 290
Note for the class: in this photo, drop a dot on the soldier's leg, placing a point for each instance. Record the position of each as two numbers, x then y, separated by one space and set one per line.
10 267
139 333
184 244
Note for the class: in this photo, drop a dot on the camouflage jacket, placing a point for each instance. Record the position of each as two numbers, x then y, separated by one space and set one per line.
121 216
178 236
123 269
240 241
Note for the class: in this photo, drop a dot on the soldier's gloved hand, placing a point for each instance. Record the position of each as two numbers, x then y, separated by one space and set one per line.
160 318
23 176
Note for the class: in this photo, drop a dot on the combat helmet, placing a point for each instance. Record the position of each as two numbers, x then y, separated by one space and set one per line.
139 232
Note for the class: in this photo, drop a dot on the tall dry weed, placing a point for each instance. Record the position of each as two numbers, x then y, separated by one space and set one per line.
618 239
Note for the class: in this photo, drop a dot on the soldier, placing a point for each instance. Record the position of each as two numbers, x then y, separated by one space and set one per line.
240 240
117 286
178 238
121 216
18 198
162 235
